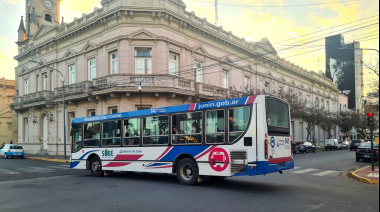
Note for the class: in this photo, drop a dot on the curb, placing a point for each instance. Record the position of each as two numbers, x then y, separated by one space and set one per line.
46 159
363 179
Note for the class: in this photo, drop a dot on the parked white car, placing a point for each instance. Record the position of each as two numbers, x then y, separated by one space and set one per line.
332 144
11 150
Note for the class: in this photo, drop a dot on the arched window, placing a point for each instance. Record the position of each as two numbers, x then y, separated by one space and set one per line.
47 17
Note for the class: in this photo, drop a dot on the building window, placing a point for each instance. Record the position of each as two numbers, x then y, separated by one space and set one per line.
247 84
72 78
198 71
91 69
91 112
26 87
48 17
112 110
143 107
340 109
308 101
301 131
114 62
143 57
225 79
45 82
317 102
359 100
173 64
51 81
266 87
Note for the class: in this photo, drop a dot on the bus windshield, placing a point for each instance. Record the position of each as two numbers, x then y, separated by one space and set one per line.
277 116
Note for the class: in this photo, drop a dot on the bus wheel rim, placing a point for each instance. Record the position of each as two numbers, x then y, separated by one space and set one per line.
187 172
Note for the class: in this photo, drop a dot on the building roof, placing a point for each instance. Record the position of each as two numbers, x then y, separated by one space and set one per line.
21 26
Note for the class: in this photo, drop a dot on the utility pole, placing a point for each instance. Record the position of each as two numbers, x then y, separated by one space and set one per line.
216 13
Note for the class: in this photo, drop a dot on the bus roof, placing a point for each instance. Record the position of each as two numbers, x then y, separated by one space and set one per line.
172 109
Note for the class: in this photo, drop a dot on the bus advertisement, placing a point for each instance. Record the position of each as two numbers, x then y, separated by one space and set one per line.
234 137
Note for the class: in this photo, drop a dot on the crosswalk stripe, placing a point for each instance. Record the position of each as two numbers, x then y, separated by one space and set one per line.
297 167
304 171
58 167
325 173
43 169
27 170
8 171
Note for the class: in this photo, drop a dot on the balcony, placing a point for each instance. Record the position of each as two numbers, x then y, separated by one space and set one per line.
74 91
150 83
38 99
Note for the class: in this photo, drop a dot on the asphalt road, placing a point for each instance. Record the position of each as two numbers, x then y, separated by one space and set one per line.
318 183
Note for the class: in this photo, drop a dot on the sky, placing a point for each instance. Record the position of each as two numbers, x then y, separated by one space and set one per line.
284 22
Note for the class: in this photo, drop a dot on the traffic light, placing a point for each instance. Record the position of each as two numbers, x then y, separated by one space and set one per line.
371 122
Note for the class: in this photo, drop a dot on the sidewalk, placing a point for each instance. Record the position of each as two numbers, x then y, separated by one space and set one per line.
366 175
53 158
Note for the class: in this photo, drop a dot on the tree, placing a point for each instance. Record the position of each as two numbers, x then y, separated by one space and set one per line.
346 121
373 67
313 116
330 119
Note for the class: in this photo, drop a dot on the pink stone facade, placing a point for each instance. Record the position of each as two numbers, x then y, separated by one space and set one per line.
172 37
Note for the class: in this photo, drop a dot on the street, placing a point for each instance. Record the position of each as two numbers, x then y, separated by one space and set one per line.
318 183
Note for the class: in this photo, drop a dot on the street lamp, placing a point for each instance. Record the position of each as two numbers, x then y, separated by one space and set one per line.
63 98
140 91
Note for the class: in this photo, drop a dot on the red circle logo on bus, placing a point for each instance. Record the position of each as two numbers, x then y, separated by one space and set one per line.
218 159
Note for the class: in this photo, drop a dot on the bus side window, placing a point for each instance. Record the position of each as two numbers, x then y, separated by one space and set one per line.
131 132
187 128
237 122
111 133
215 127
91 134
156 130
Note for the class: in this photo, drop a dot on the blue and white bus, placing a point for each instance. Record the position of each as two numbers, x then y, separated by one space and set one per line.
218 139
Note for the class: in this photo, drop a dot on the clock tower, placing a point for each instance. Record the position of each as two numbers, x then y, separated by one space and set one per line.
41 12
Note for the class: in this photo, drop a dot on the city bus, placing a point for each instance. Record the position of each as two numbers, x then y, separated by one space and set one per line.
244 136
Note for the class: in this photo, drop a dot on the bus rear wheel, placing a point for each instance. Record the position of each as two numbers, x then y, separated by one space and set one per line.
187 172
96 167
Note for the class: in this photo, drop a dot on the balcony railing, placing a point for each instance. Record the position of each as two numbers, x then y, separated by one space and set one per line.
121 82
74 89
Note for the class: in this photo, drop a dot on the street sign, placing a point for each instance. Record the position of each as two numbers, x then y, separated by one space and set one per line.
377 140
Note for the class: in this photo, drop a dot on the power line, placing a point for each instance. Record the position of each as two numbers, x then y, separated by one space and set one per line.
288 14
278 6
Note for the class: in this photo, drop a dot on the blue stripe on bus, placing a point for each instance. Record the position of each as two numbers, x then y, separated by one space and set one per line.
173 109
177 150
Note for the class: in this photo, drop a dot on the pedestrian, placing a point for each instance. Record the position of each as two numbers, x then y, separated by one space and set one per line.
11 142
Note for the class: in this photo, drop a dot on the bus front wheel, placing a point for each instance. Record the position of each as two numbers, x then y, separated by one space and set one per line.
187 172
96 167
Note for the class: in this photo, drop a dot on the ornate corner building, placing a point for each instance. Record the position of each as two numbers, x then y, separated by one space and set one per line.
177 58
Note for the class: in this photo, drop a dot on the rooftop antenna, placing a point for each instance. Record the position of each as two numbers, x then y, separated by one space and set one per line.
216 13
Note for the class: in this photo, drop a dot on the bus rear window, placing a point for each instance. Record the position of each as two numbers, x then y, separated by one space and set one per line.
277 116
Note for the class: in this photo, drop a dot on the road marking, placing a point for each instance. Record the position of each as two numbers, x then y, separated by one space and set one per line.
325 173
28 170
58 167
304 171
8 171
44 169
297 167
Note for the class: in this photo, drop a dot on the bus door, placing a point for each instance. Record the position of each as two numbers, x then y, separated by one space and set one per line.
279 130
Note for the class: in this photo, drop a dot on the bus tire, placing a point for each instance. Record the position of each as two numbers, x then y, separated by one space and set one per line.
96 167
187 172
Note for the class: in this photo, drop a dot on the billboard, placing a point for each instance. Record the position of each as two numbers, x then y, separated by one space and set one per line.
340 66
